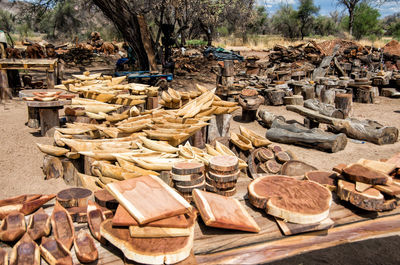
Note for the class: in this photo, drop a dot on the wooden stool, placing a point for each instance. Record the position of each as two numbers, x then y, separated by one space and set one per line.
48 115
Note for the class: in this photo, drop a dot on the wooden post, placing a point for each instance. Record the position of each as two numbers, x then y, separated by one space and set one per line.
5 91
49 119
52 167
219 126
198 139
71 168
248 115
50 79
328 96
87 165
344 102
33 118
151 103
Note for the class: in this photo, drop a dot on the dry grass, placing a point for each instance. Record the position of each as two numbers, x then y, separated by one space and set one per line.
262 42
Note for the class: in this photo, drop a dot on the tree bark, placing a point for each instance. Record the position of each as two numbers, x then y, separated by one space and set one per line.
126 21
296 134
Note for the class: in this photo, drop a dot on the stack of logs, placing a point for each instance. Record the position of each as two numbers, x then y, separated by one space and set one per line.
188 176
222 175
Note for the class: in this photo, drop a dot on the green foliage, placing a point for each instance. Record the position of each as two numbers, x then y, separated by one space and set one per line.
305 14
325 26
223 31
395 30
7 20
366 21
196 42
285 22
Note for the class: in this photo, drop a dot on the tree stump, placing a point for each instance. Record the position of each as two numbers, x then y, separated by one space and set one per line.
52 167
33 118
199 138
344 102
248 115
151 103
71 169
328 96
364 95
293 100
275 97
308 92
50 78
49 119
219 126
5 91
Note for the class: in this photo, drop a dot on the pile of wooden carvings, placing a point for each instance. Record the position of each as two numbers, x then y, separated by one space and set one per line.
188 176
109 89
222 175
56 232
370 185
173 99
153 224
110 160
202 102
49 96
274 160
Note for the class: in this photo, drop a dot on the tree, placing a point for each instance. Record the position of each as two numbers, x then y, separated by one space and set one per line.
305 14
285 21
350 5
366 21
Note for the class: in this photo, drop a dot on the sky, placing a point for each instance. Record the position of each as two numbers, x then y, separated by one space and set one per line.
327 6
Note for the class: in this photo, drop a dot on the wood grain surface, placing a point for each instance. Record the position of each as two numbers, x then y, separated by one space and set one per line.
148 198
220 211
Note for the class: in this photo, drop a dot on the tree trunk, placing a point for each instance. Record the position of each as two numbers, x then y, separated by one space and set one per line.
351 20
283 132
126 21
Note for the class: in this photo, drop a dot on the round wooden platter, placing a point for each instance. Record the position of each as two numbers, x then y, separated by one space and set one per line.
187 168
297 201
74 197
196 181
224 163
189 177
275 148
296 168
224 178
188 189
105 199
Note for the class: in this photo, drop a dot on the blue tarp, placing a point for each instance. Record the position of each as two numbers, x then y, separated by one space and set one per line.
221 54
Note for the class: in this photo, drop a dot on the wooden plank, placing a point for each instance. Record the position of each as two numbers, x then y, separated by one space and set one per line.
48 104
49 119
290 246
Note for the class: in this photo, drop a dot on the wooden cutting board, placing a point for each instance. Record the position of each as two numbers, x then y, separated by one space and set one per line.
148 250
223 212
123 218
384 167
148 198
357 172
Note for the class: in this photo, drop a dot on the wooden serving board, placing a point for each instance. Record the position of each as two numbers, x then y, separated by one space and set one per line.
292 229
223 212
187 168
148 198
123 218
148 250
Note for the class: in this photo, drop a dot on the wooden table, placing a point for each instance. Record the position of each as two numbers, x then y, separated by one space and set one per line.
47 111
48 65
219 246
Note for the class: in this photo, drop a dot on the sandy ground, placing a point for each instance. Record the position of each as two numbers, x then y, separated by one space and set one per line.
20 159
